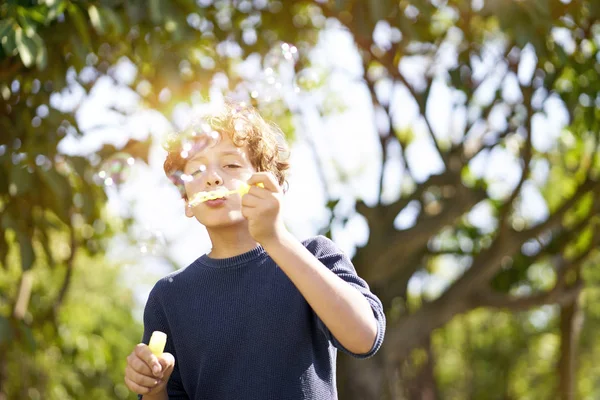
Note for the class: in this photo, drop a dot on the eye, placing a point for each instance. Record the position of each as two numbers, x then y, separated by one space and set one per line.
233 166
200 170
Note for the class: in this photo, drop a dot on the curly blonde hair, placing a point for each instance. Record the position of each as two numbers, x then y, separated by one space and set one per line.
264 141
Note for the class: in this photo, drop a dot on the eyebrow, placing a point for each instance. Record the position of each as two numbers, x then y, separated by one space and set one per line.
221 153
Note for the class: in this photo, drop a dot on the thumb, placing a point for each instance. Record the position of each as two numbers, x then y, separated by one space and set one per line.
167 361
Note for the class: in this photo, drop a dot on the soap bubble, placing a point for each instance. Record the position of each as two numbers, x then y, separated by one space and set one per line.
152 242
196 138
276 75
115 170
281 54
267 89
308 79
179 179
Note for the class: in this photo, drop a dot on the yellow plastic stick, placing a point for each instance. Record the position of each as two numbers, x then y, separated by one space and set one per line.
158 340
217 194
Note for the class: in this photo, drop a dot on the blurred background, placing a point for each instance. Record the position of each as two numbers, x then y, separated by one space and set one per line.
450 147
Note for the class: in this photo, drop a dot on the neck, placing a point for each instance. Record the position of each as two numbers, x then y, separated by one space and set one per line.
230 241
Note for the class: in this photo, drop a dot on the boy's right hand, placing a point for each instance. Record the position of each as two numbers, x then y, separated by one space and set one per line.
146 373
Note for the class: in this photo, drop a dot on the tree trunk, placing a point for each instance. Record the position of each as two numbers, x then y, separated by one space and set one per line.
571 321
362 379
424 385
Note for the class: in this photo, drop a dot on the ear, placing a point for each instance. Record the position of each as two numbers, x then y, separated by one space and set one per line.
188 210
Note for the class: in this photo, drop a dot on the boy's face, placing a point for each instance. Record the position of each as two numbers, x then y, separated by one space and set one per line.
222 165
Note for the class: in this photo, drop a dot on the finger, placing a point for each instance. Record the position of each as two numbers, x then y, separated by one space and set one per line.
267 179
142 380
250 200
140 366
259 192
143 352
134 387
167 361
248 212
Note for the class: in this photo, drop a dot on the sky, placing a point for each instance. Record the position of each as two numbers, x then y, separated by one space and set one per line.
346 141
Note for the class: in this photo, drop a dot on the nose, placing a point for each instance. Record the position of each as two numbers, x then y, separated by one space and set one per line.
213 179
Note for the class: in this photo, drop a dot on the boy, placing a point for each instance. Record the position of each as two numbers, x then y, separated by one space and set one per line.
262 315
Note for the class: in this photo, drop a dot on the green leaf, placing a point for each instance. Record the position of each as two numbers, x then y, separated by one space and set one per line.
79 49
25 22
45 241
37 14
80 164
3 249
9 42
27 332
90 201
27 48
5 330
23 238
58 186
80 23
155 11
114 21
22 178
41 60
97 20
26 247
5 25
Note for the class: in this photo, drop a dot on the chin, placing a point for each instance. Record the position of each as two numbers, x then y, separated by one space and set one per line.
221 221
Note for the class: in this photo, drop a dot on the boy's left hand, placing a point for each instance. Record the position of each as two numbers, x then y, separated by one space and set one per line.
262 207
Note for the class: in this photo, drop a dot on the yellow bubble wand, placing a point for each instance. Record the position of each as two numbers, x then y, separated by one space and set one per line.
201 197
157 343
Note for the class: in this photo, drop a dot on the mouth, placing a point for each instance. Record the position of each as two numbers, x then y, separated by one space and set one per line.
216 202
206 197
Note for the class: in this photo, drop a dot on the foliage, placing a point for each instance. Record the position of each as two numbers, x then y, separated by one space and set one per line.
507 65
69 350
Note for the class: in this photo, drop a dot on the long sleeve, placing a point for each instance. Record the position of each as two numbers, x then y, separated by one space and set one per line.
333 258
155 320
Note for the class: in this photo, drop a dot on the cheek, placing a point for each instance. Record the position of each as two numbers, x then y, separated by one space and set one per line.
241 175
193 186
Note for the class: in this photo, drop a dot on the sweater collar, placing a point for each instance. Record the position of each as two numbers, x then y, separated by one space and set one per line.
234 261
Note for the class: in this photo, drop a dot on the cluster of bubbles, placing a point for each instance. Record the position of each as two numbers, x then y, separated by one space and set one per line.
198 136
277 71
151 242
114 170
278 78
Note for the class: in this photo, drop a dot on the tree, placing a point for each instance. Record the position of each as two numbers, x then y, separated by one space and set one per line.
55 47
72 349
510 64
500 261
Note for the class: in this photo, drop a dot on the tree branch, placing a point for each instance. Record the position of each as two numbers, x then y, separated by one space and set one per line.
68 276
562 293
452 252
392 256
556 218
388 60
422 103
383 138
469 155
527 155
446 178
571 323
557 295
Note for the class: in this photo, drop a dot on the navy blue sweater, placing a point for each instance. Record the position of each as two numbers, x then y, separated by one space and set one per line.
240 330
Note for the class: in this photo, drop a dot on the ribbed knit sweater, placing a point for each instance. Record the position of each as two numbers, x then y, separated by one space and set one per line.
240 330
